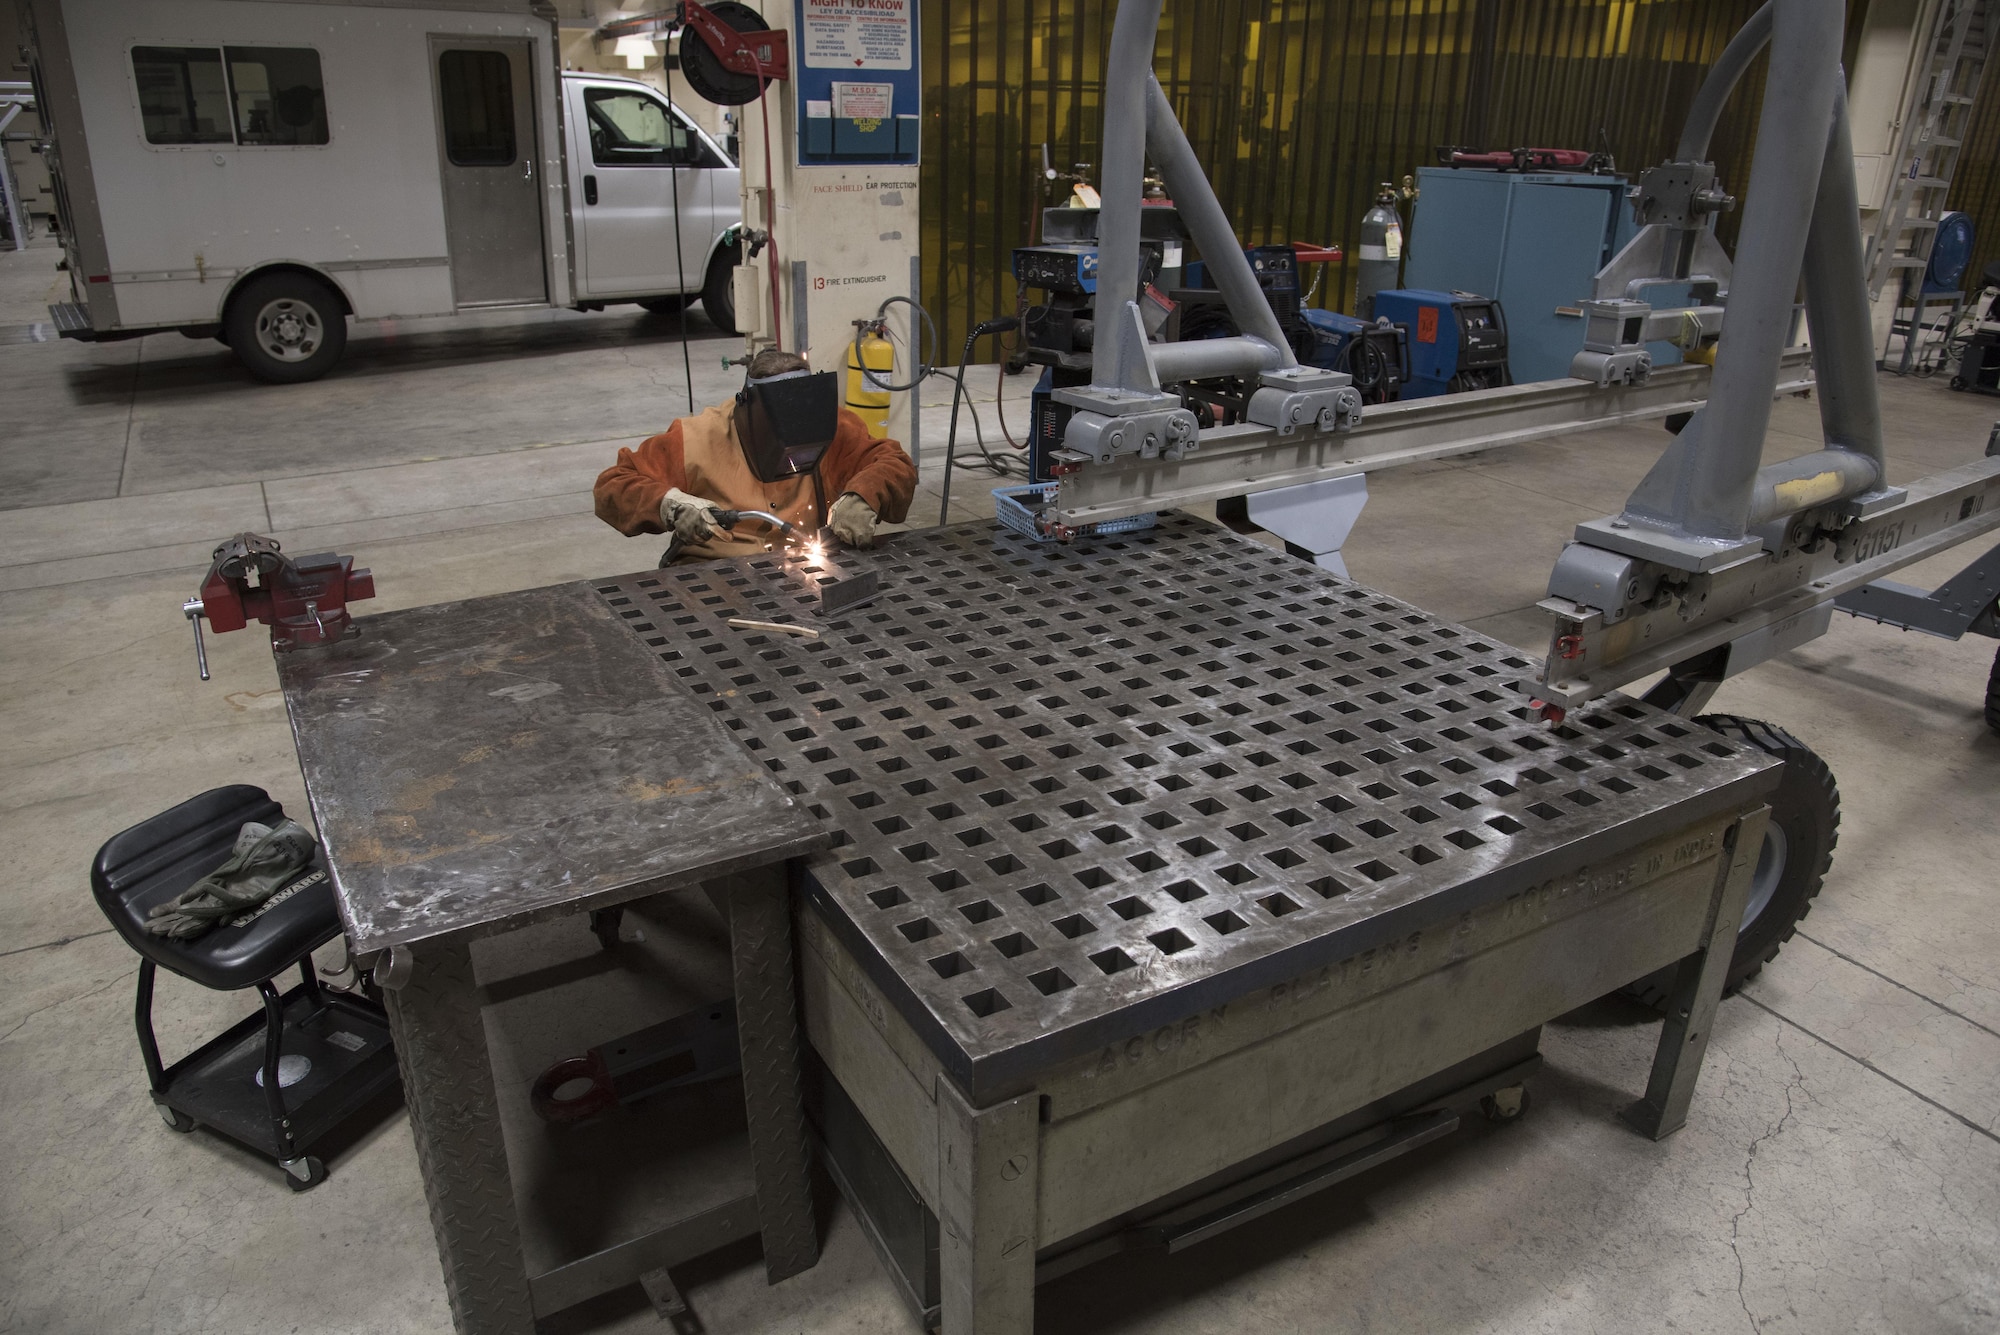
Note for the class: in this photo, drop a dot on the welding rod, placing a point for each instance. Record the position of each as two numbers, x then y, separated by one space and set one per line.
775 627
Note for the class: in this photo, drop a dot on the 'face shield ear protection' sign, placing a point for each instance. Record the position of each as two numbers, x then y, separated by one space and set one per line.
787 421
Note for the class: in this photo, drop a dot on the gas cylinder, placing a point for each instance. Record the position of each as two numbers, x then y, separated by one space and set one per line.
867 400
1381 251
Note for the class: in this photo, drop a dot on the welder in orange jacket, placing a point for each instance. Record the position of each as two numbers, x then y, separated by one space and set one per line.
783 445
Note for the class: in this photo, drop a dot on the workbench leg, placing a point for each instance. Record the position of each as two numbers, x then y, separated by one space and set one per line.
989 1169
1698 988
455 1119
767 1025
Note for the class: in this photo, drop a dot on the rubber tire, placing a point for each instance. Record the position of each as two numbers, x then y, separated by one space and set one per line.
1806 806
1958 382
241 319
666 305
175 1119
315 1174
1993 694
1489 1107
718 296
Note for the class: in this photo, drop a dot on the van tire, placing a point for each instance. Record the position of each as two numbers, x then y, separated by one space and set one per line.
718 295
286 328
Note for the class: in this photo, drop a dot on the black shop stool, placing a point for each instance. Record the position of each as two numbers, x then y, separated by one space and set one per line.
323 1056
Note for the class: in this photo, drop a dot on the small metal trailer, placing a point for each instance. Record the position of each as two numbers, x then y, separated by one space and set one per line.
259 172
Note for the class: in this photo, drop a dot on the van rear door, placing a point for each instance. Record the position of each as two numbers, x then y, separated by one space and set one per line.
487 156
637 153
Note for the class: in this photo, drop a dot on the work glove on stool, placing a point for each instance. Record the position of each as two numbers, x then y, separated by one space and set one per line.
852 521
262 860
689 519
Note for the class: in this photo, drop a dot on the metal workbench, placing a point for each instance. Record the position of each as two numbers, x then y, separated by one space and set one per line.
1176 876
478 767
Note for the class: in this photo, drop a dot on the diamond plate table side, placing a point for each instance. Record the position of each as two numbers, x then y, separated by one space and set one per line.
475 767
1084 792
448 1087
760 926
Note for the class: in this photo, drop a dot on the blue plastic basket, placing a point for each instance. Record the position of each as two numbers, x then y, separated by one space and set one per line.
1020 507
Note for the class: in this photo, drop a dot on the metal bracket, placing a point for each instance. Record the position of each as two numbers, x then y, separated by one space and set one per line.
1154 435
669 1304
1302 396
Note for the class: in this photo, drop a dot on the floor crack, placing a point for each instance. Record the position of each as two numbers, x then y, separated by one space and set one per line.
22 1023
1797 1085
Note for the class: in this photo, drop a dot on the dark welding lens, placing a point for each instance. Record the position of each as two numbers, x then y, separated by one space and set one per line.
788 422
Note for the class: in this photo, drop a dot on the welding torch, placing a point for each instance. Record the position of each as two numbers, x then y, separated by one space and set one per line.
728 519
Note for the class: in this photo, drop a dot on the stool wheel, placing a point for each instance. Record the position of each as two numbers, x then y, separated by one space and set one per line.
313 1170
175 1119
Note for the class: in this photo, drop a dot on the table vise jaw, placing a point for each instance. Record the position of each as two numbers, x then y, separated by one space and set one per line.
303 601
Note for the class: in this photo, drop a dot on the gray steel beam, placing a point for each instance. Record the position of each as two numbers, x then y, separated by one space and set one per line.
1723 76
1206 222
1205 358
1592 656
1962 605
1234 461
1837 310
1701 488
1122 181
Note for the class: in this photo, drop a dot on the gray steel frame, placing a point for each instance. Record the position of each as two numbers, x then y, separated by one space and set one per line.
14 98
1966 604
1717 564
1084 792
1233 460
1040 1183
1135 832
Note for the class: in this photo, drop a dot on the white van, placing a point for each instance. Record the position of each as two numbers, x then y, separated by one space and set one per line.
261 170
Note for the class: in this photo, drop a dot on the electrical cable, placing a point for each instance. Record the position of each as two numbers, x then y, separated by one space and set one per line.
770 204
998 465
999 407
979 331
925 368
680 248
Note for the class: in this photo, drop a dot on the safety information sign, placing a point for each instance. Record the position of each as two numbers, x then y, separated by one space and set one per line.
864 101
858 34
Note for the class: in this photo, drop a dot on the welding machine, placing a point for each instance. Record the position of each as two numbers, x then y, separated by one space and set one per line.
1375 352
1063 269
1457 340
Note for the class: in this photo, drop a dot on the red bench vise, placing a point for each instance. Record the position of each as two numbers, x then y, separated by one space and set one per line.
304 602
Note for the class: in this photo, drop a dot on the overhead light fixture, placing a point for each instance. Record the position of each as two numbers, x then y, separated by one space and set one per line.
636 50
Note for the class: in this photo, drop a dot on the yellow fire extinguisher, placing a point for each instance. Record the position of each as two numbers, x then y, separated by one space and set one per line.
867 399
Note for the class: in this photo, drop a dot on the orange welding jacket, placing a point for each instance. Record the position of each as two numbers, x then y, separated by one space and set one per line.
702 457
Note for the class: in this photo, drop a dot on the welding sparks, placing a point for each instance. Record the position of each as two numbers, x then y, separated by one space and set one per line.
815 551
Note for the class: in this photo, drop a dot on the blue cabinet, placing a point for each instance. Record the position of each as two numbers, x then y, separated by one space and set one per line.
1535 241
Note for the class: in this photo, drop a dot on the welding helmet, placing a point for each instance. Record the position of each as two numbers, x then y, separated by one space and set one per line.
787 421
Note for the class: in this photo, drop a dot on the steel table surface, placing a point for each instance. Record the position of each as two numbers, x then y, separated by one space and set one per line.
1086 791
478 766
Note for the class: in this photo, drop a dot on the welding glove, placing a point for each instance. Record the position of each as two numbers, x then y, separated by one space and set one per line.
689 519
263 860
852 521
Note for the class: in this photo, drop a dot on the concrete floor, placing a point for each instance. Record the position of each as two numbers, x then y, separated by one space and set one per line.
1840 1170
